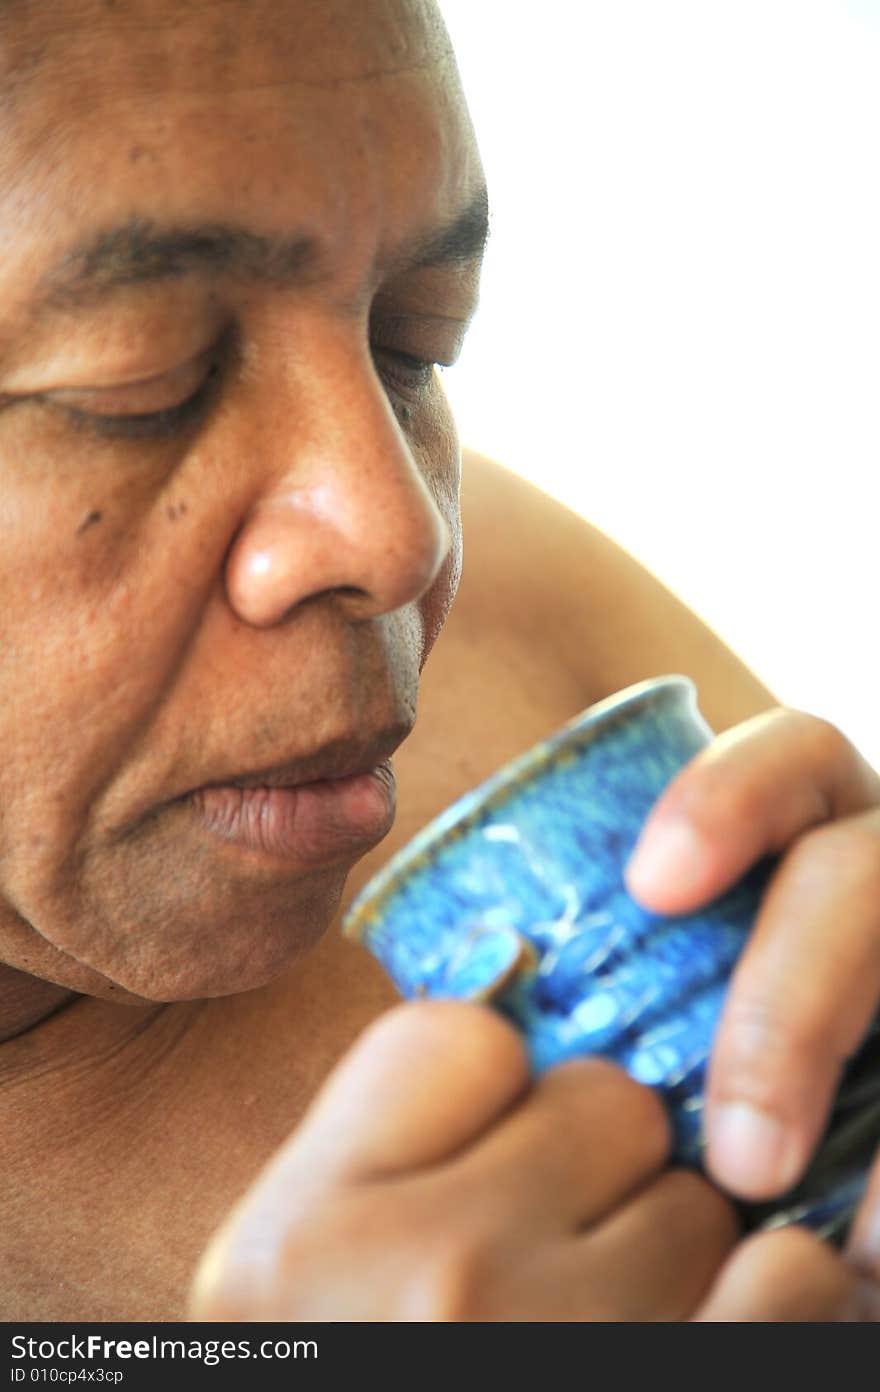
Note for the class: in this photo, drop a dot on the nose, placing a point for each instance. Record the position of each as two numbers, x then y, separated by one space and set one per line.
344 509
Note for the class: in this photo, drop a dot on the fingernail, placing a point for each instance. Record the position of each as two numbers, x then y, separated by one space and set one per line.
669 853
751 1151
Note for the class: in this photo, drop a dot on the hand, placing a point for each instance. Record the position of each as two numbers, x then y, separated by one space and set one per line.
789 1275
431 1181
808 983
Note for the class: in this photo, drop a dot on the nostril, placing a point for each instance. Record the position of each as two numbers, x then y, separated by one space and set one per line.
325 539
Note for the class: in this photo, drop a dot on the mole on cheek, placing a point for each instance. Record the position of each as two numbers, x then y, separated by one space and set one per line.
89 521
175 510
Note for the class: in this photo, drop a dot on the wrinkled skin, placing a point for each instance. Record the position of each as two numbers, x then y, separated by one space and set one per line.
267 577
195 592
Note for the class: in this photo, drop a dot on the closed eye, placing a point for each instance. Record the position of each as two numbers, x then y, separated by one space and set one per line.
403 369
155 407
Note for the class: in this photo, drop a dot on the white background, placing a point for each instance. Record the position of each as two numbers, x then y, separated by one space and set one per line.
679 333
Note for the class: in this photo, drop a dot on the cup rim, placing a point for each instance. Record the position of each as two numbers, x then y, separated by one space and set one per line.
458 818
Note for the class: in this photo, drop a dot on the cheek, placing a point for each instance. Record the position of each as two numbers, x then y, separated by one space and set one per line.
73 701
86 647
435 445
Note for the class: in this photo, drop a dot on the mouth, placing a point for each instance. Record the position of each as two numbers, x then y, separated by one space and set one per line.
332 805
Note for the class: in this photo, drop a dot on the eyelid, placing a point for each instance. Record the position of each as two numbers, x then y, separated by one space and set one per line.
161 391
409 338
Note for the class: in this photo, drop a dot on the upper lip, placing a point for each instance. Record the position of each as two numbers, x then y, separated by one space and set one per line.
343 757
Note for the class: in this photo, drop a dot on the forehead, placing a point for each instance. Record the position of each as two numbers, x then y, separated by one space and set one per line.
343 113
144 44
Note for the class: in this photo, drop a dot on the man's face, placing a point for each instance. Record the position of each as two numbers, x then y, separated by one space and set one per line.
233 239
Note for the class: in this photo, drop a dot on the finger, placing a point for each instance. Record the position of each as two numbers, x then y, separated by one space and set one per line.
748 795
787 1275
584 1139
583 1135
800 1001
654 1259
423 1081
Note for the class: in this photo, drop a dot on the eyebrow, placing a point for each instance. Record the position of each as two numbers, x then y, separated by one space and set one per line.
139 252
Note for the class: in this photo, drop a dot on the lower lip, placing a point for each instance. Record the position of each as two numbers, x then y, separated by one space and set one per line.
310 823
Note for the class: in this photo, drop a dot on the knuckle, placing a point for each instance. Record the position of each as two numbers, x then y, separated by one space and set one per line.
814 735
780 1058
717 789
761 1052
759 1041
822 736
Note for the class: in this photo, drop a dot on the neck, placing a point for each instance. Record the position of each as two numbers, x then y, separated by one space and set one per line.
25 1001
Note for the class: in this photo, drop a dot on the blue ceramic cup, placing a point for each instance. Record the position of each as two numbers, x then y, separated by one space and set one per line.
515 896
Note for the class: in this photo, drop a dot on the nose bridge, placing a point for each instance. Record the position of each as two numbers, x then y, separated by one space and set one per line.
355 452
342 504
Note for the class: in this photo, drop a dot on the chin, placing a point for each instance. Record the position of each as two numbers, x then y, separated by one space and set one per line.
201 950
206 980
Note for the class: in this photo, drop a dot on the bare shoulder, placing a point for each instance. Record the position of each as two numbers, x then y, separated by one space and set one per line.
539 572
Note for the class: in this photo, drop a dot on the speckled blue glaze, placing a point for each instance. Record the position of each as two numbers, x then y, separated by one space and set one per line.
515 896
